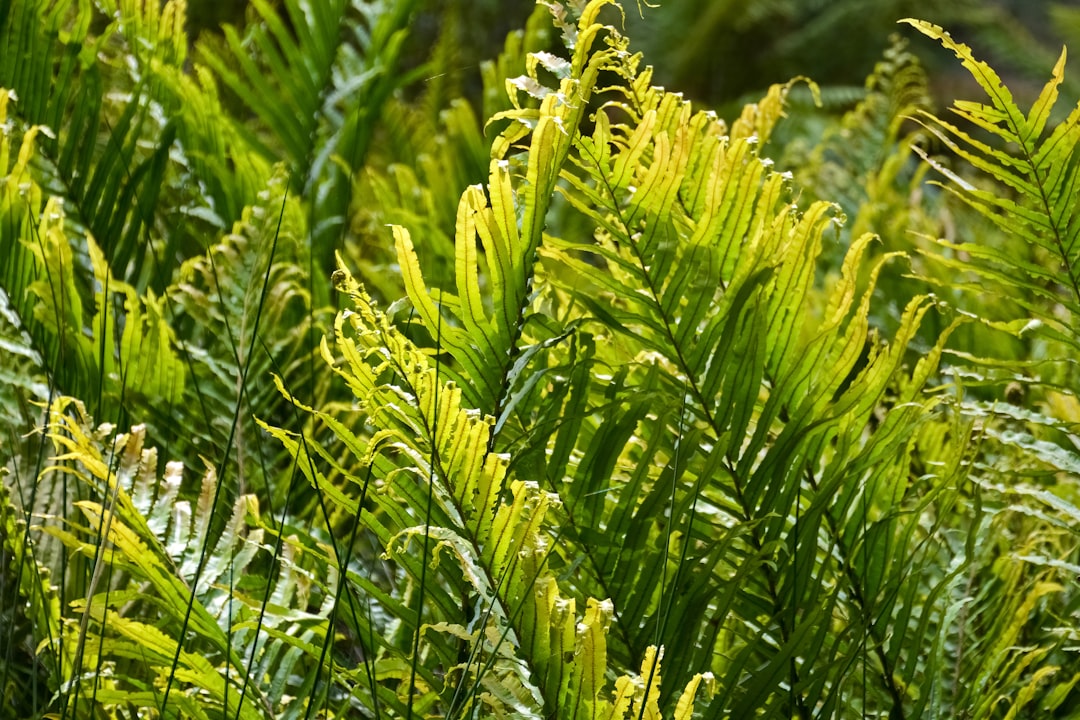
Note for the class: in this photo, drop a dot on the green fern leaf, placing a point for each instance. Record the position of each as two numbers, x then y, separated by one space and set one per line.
1039 168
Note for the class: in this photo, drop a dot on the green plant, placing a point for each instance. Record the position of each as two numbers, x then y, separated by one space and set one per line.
639 403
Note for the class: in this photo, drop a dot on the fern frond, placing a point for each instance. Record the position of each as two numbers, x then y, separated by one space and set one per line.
46 642
214 154
106 154
1020 283
483 335
317 75
460 502
244 311
705 458
76 331
250 649
865 156
1035 167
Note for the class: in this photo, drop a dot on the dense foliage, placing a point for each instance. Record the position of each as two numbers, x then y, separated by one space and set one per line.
328 393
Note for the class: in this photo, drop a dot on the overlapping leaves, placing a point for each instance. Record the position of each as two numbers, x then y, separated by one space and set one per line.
1035 164
706 458
143 545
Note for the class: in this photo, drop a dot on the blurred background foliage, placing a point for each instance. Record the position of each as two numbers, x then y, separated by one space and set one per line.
735 50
